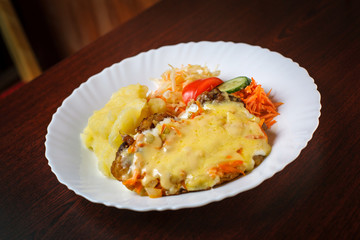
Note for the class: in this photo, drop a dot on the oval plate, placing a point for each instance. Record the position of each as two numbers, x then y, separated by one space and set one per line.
76 167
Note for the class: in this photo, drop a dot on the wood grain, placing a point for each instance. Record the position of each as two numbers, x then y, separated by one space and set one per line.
77 23
17 43
57 29
315 197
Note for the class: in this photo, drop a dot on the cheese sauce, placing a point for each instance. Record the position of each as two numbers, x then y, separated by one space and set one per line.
180 153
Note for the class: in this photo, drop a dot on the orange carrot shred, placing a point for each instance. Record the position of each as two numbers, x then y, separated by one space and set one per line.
176 130
257 102
138 187
131 181
225 168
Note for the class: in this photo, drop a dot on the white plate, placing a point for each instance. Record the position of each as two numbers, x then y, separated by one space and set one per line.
76 166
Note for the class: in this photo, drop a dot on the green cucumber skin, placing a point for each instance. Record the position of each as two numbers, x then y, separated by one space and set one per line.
235 84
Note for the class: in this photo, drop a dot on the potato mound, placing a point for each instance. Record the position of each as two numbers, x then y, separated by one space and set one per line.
120 116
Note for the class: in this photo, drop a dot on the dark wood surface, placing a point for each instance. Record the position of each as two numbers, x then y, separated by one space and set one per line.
314 197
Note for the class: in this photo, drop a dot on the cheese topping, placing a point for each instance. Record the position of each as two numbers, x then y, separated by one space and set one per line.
181 153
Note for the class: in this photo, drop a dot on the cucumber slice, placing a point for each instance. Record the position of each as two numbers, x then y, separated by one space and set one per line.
235 84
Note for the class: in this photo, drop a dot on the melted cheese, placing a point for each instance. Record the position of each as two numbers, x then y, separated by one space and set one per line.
182 152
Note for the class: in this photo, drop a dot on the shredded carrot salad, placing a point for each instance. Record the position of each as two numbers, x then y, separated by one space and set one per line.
258 103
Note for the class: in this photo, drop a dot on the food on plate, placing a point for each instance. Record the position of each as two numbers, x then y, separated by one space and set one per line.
122 114
192 90
235 85
194 132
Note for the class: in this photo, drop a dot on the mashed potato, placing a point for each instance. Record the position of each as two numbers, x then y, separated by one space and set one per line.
120 116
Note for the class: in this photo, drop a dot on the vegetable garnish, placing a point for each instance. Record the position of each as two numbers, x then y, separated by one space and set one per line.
173 81
194 89
257 102
235 84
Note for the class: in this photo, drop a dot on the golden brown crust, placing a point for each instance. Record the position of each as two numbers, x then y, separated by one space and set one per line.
151 121
116 169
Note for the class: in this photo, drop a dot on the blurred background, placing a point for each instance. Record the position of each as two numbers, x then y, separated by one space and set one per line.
36 34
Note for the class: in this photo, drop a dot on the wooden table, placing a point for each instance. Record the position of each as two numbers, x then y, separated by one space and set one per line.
315 197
